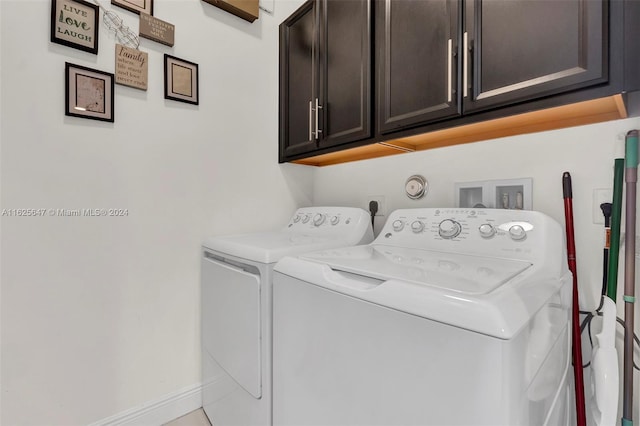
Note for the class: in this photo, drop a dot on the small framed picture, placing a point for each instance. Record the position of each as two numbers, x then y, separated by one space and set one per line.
180 80
89 93
74 23
135 6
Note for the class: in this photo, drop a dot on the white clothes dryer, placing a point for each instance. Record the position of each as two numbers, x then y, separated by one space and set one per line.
236 275
450 317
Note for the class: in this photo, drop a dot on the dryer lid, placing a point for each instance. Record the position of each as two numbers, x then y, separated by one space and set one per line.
459 273
269 247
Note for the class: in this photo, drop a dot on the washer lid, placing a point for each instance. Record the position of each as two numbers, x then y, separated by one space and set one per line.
465 274
269 247
491 296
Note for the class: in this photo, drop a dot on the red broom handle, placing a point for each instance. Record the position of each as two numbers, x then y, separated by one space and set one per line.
575 314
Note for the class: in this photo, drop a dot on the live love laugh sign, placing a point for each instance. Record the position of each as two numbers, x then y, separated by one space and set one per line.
74 23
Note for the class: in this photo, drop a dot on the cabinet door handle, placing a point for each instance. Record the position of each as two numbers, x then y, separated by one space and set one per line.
449 48
318 107
310 121
465 71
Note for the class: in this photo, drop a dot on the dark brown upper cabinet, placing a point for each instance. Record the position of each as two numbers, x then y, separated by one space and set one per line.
518 50
508 51
417 44
448 72
298 88
325 76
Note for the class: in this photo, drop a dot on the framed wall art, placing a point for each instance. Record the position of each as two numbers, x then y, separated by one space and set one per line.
75 23
180 80
135 6
89 93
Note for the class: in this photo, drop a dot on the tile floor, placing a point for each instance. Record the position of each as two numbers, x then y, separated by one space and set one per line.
194 418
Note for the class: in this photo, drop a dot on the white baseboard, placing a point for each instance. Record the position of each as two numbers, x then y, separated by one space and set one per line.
160 411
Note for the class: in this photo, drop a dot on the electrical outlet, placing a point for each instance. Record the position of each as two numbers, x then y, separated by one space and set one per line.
381 204
600 196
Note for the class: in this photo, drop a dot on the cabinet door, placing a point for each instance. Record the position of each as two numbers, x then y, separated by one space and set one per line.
298 63
416 70
345 77
521 49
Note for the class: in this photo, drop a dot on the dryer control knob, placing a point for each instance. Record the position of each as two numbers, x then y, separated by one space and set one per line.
417 226
398 225
517 233
296 218
487 230
335 220
449 229
318 219
306 218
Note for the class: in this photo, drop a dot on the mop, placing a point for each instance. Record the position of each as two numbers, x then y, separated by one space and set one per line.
575 314
604 368
631 178
604 356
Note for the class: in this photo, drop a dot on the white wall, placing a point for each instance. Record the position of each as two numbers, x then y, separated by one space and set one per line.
586 152
100 315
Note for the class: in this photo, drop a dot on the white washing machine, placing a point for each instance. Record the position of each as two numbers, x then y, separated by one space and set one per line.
450 317
236 298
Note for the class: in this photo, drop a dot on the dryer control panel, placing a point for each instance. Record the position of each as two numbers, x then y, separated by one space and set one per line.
516 234
328 220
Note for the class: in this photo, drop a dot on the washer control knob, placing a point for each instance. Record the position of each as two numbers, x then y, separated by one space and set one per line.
296 218
449 229
318 219
306 218
417 226
517 233
335 220
398 225
487 230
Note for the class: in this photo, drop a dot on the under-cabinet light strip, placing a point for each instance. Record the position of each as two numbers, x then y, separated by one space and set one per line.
399 148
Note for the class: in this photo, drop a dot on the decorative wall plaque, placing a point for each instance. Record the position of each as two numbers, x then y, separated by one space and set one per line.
156 29
245 9
132 67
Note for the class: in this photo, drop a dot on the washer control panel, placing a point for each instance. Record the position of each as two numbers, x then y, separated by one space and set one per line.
491 232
